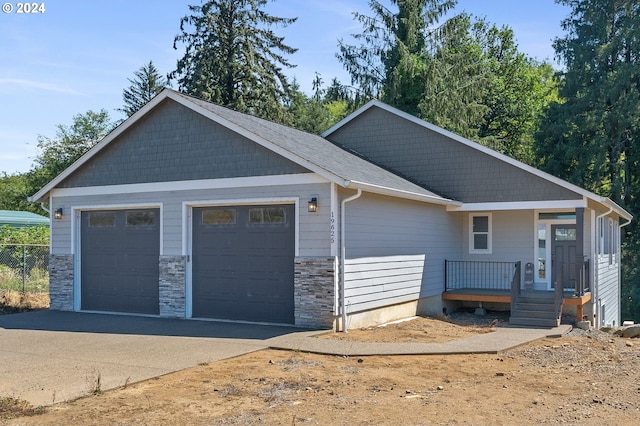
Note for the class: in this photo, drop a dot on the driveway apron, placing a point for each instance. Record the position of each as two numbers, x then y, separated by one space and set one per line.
52 356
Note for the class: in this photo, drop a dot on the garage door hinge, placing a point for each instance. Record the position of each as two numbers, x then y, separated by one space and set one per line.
188 258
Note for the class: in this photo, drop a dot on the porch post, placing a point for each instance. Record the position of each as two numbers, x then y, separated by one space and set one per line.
579 262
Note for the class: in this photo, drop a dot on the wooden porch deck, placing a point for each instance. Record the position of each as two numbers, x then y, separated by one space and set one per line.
504 296
478 295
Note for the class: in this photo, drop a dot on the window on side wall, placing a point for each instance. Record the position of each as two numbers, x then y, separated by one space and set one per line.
480 233
613 242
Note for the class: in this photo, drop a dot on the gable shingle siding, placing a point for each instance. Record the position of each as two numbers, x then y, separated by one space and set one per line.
174 143
441 164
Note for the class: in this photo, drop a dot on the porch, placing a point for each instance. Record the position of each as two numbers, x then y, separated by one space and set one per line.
502 282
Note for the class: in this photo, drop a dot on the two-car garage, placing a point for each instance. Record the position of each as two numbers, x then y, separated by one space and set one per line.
242 262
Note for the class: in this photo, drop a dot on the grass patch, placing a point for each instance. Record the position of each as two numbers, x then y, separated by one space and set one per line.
11 408
12 302
36 281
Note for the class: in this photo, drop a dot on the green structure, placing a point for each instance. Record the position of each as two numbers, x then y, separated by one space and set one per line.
19 219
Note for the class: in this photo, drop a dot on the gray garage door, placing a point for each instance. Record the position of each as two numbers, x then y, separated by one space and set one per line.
243 263
119 260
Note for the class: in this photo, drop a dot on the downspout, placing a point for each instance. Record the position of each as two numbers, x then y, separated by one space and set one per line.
343 252
44 208
619 248
595 301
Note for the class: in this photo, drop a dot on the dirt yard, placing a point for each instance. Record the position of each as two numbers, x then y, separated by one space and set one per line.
587 378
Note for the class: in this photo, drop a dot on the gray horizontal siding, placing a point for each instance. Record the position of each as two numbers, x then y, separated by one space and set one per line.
174 143
379 227
513 234
314 227
513 237
441 164
381 281
608 292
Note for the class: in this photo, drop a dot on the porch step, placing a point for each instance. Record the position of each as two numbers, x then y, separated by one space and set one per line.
527 298
542 307
534 322
534 314
534 311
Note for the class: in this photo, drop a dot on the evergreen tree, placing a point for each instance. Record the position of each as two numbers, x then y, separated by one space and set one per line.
387 64
308 113
147 83
323 109
456 78
591 137
464 75
233 58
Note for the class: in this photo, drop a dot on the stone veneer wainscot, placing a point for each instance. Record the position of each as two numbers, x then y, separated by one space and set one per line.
61 282
172 286
314 292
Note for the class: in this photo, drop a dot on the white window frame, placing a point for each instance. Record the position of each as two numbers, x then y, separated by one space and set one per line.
489 249
614 238
608 240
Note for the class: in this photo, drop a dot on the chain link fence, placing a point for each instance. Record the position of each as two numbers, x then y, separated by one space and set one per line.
24 268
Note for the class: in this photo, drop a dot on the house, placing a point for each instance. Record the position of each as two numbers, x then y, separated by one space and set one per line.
191 210
20 219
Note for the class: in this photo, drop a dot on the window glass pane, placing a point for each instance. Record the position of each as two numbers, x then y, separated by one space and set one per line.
224 216
102 219
274 215
565 234
542 251
267 215
480 242
556 216
141 218
255 216
481 224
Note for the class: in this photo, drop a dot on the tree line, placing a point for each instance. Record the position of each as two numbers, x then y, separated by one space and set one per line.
462 73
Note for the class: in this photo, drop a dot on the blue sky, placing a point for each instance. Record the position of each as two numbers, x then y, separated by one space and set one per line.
78 54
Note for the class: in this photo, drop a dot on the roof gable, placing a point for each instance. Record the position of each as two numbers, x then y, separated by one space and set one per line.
448 163
308 151
172 143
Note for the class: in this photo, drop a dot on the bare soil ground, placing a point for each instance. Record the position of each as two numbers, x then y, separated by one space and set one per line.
586 377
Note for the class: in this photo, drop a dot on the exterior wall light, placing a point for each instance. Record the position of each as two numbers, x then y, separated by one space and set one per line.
58 213
313 205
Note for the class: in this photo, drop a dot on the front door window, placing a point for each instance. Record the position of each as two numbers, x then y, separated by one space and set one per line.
563 253
542 253
552 228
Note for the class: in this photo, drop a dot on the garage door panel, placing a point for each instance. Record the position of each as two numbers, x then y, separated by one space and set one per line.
120 250
244 270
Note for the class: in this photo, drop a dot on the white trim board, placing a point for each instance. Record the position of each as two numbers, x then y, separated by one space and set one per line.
377 189
189 185
519 205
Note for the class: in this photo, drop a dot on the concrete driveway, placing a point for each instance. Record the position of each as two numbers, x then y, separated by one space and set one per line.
53 356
